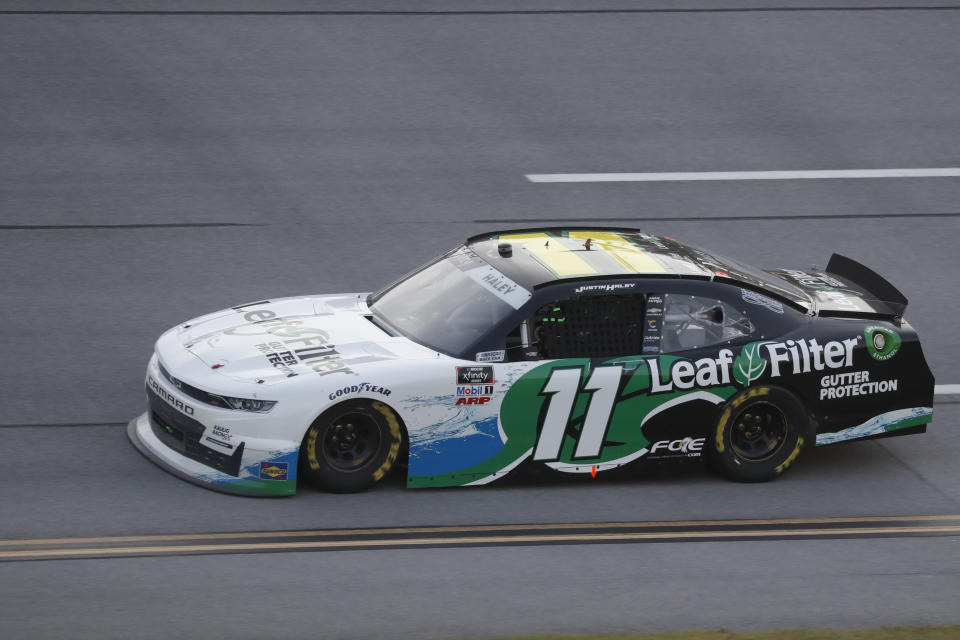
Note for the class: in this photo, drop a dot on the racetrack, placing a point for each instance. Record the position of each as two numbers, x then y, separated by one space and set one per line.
156 167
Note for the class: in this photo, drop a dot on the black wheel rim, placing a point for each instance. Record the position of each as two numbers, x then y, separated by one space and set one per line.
351 441
758 431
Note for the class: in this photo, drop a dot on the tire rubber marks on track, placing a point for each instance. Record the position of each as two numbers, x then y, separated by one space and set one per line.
472 12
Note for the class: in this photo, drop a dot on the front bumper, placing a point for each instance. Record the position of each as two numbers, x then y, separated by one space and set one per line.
211 447
260 473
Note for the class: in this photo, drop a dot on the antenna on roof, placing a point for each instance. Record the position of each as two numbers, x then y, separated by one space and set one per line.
505 249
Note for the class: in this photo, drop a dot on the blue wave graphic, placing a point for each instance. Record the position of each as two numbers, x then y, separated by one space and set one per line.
472 447
874 426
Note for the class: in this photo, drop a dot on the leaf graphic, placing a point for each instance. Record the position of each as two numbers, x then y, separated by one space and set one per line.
749 365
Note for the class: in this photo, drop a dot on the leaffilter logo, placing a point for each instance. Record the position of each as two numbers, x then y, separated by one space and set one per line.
749 365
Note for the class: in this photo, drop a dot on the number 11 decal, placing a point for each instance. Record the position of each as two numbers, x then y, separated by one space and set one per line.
562 388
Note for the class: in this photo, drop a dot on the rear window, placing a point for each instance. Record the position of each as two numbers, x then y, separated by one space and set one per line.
691 322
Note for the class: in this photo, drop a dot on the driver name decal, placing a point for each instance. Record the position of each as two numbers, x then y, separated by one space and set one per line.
499 285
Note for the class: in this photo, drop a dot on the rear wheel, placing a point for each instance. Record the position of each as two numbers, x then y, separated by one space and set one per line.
351 446
760 433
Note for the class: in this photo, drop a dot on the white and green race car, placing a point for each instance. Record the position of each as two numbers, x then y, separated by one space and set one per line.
531 354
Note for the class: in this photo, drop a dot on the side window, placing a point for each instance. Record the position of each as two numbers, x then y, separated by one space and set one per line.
691 322
594 326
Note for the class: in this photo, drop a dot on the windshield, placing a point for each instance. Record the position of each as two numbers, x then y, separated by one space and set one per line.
450 304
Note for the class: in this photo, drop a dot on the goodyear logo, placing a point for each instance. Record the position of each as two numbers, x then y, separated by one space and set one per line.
273 470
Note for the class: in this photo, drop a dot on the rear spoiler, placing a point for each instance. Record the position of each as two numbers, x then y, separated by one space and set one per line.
883 293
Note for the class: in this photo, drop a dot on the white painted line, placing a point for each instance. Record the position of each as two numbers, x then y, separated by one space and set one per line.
946 389
944 172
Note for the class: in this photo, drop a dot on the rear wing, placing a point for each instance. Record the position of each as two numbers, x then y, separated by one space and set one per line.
885 299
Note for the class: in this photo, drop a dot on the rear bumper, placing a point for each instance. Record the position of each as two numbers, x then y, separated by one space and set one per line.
258 473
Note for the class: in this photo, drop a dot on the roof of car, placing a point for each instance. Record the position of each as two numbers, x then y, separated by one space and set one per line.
540 256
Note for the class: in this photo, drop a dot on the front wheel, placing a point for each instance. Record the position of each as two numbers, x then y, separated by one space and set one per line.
351 446
760 433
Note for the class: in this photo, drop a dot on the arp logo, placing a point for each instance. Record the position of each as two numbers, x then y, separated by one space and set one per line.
473 400
274 470
690 447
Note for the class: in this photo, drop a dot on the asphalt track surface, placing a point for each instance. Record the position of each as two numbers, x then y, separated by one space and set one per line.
155 167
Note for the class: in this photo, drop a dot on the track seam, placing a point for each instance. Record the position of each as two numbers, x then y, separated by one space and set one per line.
215 225
481 12
60 425
145 225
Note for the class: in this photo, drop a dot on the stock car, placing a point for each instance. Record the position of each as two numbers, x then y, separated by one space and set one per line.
537 353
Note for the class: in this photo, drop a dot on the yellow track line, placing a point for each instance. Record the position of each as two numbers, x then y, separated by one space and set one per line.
584 537
468 528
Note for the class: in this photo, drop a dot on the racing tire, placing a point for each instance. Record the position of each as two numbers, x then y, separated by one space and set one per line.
351 446
760 434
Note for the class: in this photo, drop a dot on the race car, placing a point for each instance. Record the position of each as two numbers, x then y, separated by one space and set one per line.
537 353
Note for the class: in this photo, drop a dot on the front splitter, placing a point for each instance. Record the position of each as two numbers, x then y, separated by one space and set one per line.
141 434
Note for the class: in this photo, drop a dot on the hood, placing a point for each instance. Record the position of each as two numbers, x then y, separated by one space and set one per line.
291 338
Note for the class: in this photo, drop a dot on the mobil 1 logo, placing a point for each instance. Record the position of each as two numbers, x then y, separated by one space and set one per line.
474 385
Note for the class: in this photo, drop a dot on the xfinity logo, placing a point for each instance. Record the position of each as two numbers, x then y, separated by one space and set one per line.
474 375
690 447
